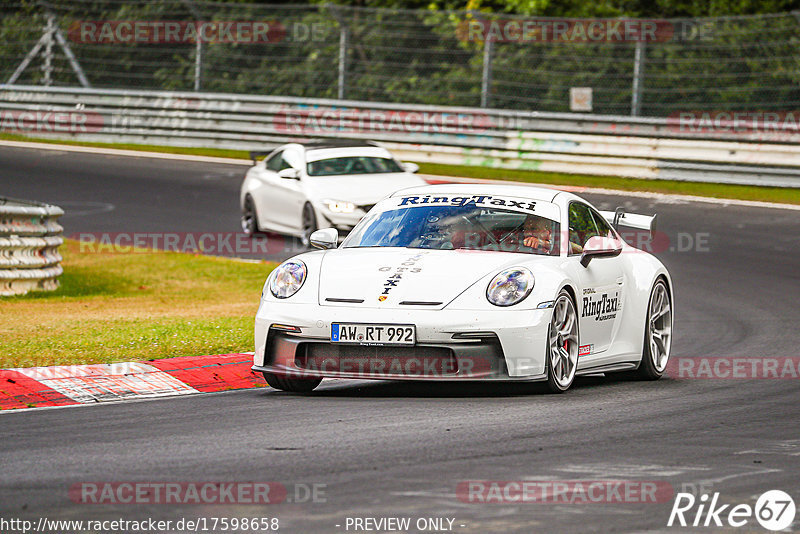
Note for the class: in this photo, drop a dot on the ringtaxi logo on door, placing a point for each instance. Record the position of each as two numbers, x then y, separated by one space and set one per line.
774 510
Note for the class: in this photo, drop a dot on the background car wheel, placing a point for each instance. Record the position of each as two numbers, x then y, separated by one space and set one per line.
249 217
295 385
562 344
309 224
657 334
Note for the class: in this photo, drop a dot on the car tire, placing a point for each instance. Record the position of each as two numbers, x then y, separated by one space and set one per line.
249 218
563 340
309 219
294 385
657 334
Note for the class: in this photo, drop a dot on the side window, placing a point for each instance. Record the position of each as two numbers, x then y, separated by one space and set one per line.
581 227
603 228
275 163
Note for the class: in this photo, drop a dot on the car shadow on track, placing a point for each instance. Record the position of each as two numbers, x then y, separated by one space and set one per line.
390 389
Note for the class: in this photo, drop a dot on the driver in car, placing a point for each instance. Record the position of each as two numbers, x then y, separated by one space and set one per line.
537 233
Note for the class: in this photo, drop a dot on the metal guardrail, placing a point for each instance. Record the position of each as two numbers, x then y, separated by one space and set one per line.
29 239
651 148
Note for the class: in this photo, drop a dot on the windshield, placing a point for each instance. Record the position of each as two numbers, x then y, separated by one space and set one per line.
352 165
458 227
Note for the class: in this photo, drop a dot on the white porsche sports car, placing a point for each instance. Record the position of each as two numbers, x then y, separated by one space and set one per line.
298 188
468 282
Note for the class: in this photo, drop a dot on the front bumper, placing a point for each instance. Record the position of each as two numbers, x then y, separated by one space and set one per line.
294 340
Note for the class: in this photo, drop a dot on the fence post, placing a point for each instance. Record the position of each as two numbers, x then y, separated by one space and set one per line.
638 79
486 78
343 44
198 63
51 31
47 65
198 46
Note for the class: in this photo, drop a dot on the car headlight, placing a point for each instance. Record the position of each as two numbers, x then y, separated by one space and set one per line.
339 206
287 279
510 286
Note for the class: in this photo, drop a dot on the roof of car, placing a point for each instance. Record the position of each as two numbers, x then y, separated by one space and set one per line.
543 194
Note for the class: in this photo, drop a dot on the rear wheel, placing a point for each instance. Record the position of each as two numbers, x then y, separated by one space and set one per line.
249 217
657 334
562 344
309 224
295 385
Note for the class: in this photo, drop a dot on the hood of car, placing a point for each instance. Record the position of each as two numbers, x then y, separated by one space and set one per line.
361 189
403 278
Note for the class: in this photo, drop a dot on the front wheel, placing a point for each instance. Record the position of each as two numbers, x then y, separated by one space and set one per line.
309 224
295 385
562 344
657 334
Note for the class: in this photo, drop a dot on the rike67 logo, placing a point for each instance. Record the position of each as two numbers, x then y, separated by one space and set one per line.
774 510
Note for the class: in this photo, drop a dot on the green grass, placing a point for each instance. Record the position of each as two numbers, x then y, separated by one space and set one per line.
192 151
741 192
114 307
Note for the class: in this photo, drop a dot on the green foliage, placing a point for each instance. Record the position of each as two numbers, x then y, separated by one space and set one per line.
424 56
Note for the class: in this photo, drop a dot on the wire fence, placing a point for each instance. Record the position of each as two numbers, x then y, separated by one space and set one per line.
621 67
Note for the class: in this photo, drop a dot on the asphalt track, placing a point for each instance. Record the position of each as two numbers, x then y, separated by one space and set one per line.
399 449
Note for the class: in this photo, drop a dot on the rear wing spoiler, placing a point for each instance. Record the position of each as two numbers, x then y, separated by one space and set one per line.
631 220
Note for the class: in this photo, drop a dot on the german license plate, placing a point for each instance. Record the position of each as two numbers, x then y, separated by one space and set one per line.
373 334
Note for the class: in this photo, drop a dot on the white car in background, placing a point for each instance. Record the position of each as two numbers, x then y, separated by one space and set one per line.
299 188
468 282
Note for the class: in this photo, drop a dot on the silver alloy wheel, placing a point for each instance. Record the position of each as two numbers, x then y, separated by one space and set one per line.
659 327
563 342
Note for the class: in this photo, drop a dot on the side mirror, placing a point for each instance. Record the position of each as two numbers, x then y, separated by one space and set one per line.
325 238
600 247
290 173
410 167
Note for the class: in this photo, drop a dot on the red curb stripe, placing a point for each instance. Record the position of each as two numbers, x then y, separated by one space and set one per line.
204 373
19 391
212 373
